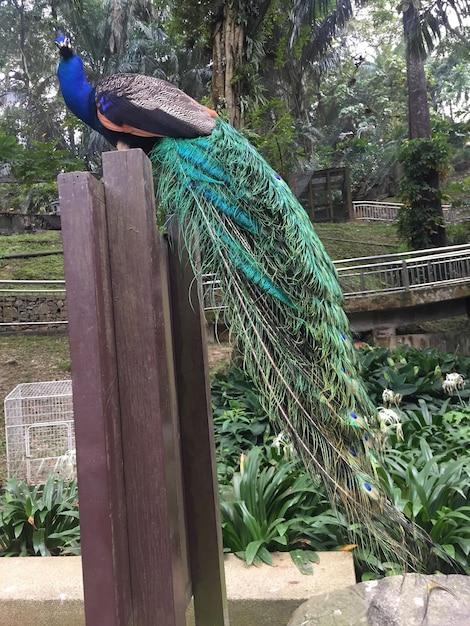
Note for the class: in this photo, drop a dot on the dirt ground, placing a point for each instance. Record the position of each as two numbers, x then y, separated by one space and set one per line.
38 358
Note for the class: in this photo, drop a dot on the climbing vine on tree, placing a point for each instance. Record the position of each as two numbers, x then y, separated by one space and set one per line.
424 161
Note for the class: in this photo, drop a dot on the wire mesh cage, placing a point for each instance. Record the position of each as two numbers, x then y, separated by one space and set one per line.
39 428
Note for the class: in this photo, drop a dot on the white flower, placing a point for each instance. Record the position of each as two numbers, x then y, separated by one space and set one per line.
279 441
389 397
389 419
452 382
282 442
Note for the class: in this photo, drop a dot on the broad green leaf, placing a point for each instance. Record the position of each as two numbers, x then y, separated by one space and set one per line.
304 559
251 550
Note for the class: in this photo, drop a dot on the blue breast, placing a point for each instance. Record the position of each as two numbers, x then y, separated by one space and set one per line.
77 92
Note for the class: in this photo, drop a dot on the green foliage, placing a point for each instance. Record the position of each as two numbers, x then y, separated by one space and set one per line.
427 469
424 161
240 422
426 472
41 161
275 136
41 520
458 233
432 489
418 157
34 169
273 505
414 374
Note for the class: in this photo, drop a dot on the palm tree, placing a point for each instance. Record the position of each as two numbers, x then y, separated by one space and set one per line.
120 12
241 33
423 24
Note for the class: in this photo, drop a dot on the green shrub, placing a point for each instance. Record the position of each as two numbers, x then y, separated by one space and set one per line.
414 374
240 422
433 492
426 469
458 233
275 506
41 520
419 220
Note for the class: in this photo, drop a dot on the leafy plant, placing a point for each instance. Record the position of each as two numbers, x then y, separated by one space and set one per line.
277 507
240 422
41 520
414 374
34 170
433 492
419 221
426 470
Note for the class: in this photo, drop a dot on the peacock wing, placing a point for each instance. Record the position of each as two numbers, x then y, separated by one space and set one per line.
150 107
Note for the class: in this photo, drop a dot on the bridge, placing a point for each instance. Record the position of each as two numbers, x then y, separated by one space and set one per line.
381 293
385 292
399 289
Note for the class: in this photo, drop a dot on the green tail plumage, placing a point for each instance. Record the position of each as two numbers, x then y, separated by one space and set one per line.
283 305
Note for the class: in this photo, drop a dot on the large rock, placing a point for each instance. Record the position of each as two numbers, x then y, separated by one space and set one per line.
411 600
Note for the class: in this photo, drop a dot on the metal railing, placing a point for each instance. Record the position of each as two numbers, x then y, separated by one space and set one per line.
405 271
43 303
387 212
375 211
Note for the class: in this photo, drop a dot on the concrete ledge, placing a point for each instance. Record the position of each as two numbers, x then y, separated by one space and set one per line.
48 591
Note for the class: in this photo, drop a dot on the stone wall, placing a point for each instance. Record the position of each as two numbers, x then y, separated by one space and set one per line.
32 310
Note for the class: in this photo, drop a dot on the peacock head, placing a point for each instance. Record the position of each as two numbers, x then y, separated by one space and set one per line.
64 45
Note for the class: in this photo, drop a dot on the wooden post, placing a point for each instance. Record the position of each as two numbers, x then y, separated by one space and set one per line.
103 511
132 500
147 392
197 440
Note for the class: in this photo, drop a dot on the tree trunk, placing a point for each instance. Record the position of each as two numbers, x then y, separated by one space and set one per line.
228 53
419 120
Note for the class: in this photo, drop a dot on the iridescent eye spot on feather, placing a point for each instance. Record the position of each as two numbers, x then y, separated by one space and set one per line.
369 489
352 451
353 419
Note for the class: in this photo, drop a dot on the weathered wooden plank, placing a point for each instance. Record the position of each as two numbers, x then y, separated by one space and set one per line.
197 440
104 541
158 567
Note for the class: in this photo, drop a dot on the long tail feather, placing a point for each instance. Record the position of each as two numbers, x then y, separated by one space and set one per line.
283 305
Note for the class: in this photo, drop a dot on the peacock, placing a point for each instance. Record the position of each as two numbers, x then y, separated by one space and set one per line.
281 298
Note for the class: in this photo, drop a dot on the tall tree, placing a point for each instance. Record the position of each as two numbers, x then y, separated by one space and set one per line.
423 23
120 22
419 119
241 33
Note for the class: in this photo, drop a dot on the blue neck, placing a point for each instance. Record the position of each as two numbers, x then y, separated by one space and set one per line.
77 91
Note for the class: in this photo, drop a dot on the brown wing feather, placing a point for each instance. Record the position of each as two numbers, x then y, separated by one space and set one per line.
149 106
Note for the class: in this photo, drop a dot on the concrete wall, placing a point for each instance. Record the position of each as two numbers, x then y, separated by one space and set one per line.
48 591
